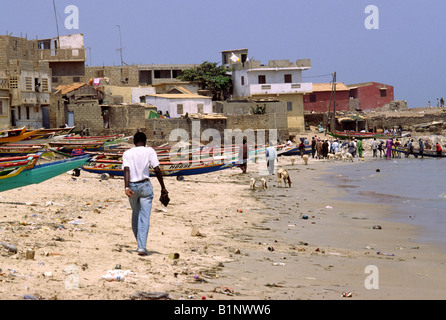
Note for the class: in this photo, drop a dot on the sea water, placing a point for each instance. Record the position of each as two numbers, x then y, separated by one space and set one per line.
414 187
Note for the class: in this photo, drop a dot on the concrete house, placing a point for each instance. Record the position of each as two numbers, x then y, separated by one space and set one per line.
321 99
66 57
178 101
280 79
25 84
370 95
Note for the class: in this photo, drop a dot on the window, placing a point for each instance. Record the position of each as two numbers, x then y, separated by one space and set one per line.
262 79
27 113
1 107
13 83
243 80
28 84
289 106
19 109
312 98
383 92
288 78
44 85
200 108
55 79
179 109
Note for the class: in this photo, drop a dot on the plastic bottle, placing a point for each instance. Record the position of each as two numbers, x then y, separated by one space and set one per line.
116 275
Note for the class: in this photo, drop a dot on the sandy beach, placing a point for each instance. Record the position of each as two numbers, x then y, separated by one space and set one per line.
216 240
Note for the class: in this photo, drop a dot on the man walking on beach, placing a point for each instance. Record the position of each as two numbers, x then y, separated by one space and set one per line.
138 188
374 147
271 156
243 156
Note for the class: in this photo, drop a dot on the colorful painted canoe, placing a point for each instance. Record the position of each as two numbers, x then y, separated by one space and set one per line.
114 167
12 166
14 135
42 172
416 152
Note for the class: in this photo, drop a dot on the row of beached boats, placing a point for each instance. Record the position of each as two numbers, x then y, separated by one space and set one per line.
21 150
103 155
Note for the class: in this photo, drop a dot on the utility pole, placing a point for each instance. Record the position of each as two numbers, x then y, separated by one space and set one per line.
333 120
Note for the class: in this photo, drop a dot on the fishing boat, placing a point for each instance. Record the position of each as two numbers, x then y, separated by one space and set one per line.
41 172
416 152
44 133
12 166
10 150
362 135
100 164
174 168
14 135
293 150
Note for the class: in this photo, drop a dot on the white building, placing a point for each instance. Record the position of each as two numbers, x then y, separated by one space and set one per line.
280 79
178 102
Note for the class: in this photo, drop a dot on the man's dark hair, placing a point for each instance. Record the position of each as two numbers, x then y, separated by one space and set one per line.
139 137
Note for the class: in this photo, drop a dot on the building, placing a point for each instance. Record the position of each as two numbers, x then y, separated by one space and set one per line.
178 101
25 84
370 95
82 106
322 98
361 96
136 75
66 57
280 79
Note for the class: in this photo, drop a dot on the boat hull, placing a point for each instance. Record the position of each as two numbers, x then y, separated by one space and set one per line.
42 172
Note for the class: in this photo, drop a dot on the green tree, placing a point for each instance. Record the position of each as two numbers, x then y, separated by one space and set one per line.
209 76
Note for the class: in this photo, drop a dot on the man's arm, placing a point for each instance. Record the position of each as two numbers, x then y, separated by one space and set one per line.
128 191
159 176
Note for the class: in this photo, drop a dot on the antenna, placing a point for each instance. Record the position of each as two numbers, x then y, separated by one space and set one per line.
120 42
55 15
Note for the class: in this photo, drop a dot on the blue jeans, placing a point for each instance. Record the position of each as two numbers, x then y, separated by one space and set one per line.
141 204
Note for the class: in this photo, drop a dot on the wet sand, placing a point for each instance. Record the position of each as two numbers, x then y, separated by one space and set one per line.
79 229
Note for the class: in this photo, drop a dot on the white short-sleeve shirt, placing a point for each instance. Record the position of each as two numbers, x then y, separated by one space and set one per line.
139 160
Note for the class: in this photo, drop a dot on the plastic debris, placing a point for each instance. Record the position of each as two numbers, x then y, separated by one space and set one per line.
116 275
385 254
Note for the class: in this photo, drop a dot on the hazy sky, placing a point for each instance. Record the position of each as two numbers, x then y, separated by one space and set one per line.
408 49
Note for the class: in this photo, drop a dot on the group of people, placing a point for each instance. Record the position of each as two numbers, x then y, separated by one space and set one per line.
321 148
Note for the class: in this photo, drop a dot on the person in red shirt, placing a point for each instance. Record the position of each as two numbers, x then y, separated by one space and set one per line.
439 149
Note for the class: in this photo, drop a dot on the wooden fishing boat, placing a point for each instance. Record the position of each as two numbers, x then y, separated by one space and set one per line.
95 138
362 135
41 172
101 164
14 135
49 133
12 166
416 152
10 150
175 168
293 150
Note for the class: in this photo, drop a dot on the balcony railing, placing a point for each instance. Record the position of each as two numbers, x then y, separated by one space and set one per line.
63 54
281 88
